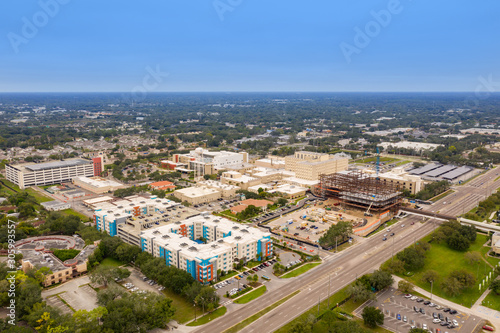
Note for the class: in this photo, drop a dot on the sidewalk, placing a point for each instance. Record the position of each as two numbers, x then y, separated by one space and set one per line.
492 315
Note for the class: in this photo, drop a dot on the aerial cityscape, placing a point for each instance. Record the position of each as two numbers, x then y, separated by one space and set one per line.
249 167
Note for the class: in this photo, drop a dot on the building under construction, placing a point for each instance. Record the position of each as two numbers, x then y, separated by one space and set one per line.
360 190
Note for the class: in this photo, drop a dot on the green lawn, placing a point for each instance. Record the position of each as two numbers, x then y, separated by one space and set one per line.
492 301
384 226
228 276
302 269
75 213
445 260
208 317
184 311
38 196
251 295
441 196
111 262
252 264
238 327
374 158
10 184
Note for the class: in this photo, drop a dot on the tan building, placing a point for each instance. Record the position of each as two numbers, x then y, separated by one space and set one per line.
310 165
271 162
495 242
198 194
238 179
227 191
37 253
401 179
97 185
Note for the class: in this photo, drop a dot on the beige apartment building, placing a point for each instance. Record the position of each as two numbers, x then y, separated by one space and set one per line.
310 165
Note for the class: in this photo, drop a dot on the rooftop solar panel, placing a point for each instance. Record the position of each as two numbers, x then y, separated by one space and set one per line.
425 168
457 172
440 171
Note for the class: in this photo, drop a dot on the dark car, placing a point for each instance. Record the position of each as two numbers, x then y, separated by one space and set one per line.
416 309
443 323
446 310
427 302
422 311
453 312
434 315
384 239
392 234
441 317
420 300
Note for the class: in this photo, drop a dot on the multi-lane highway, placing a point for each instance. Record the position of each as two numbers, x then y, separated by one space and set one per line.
344 267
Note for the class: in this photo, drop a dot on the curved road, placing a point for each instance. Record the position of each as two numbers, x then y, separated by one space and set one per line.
344 267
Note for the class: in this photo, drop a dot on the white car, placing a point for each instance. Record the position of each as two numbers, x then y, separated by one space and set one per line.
455 322
414 298
436 321
424 326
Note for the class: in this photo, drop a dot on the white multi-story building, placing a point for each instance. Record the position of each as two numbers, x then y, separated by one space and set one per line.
202 161
181 245
310 165
39 174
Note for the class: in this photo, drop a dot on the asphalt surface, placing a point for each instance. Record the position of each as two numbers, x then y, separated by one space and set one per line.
344 267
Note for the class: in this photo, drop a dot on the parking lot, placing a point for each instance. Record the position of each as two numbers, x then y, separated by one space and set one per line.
402 312
294 224
138 283
56 302
216 206
81 298
239 280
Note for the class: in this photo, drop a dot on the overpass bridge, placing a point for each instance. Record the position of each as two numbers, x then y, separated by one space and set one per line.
424 213
442 217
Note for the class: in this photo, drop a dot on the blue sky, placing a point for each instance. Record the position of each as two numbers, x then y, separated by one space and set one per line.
247 45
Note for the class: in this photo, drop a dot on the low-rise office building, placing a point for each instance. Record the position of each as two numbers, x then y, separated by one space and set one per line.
97 185
37 253
55 205
206 191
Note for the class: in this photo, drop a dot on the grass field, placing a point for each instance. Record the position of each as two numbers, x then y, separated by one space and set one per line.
75 213
441 196
374 158
111 262
38 196
384 226
249 320
251 295
208 317
445 260
492 301
228 276
301 270
184 311
252 264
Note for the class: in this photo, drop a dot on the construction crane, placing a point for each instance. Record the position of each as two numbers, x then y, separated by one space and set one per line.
367 213
377 165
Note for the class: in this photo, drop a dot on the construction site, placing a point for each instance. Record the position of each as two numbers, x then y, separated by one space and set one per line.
359 198
361 193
